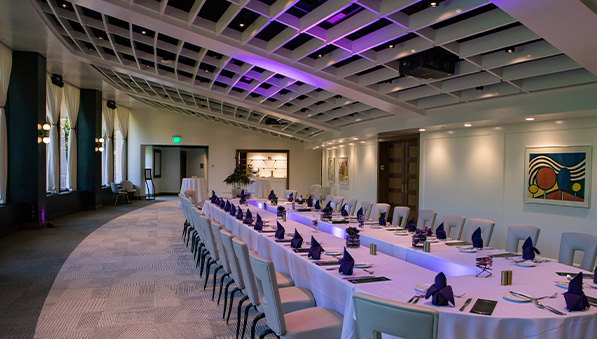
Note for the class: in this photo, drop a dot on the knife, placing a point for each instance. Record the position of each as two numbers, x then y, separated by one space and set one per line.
468 301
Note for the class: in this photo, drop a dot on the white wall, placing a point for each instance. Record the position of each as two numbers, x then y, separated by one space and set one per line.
196 157
152 127
479 173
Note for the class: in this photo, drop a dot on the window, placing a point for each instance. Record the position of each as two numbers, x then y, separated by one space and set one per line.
64 134
118 141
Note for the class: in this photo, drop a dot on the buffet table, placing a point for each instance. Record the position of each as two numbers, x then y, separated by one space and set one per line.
259 188
509 319
195 184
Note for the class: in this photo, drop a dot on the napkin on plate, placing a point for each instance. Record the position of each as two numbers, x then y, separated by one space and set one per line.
222 204
382 219
412 226
310 202
291 197
280 231
315 250
232 210
595 276
297 240
227 206
576 300
440 292
258 223
477 239
271 195
300 200
528 250
329 204
242 194
359 213
248 218
346 263
343 211
440 233
239 214
317 205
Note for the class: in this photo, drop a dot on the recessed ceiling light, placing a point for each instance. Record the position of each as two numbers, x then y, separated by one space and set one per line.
510 50
362 142
64 5
100 37
340 141
450 132
241 24
529 119
421 130
319 55
468 124
479 88
329 143
355 138
165 61
143 32
322 144
390 46
334 147
433 4
559 122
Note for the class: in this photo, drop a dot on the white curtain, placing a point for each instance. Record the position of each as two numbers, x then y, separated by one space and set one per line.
108 154
5 68
71 107
123 125
53 101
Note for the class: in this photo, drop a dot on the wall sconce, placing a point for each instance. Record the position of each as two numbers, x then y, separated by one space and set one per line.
99 144
43 133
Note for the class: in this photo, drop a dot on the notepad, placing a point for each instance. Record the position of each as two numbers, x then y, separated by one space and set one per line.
367 280
484 306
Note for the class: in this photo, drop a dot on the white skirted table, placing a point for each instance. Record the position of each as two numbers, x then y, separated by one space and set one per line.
199 186
259 188
509 319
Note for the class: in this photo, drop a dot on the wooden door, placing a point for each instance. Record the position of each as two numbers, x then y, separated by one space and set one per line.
398 173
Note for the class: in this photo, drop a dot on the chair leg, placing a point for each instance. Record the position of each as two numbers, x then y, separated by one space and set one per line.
222 285
203 255
254 324
231 302
226 298
238 312
266 332
213 291
207 269
242 334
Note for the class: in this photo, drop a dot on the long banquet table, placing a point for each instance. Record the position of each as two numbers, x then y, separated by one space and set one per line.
509 319
195 184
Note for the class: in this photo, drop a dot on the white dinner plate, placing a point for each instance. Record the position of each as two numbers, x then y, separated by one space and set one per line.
362 265
562 284
468 249
431 238
525 264
375 227
422 287
433 241
333 252
309 243
514 298
401 233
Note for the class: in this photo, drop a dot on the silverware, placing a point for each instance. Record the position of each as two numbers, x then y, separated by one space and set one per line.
417 299
537 303
468 301
411 299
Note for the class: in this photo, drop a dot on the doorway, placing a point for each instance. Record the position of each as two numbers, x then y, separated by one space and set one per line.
398 173
183 165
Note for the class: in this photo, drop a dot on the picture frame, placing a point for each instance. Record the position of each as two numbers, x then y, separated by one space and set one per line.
331 169
343 171
558 175
157 163
148 174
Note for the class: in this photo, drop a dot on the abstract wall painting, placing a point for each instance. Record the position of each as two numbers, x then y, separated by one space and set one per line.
331 169
558 175
343 171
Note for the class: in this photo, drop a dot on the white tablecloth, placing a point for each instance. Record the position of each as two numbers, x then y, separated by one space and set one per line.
199 186
259 188
511 320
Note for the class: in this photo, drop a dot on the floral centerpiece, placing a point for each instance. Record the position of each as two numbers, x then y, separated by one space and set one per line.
419 237
352 237
361 220
326 213
314 222
237 179
281 211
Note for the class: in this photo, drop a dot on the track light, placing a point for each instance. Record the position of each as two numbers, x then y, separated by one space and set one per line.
510 50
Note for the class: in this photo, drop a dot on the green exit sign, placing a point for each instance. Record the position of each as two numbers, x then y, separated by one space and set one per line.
176 139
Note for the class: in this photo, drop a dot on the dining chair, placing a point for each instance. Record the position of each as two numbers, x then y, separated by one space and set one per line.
337 203
456 222
400 217
310 322
212 248
518 232
351 204
118 193
486 229
377 315
325 191
366 206
236 192
128 186
379 209
315 188
237 277
572 242
426 219
191 195
292 298
216 228
288 192
328 198
317 196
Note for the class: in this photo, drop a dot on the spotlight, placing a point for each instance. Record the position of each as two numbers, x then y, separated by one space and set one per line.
479 88
319 55
390 46
529 119
510 50
433 3
143 32
241 24
421 130
468 124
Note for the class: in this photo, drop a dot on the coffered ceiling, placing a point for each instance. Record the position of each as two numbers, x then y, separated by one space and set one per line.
300 68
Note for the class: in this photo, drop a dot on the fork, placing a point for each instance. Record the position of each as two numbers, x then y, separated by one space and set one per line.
549 308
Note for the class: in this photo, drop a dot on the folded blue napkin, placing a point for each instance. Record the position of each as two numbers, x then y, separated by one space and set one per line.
528 250
213 197
359 213
411 226
346 263
317 206
248 218
297 240
232 210
343 211
329 204
280 231
576 300
239 214
300 200
440 233
440 292
382 219
595 276
271 195
310 202
477 239
291 197
242 194
315 250
258 224
222 204
227 206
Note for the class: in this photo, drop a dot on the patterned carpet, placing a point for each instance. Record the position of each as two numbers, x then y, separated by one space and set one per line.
133 278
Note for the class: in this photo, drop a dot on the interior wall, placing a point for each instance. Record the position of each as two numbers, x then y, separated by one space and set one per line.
153 127
479 173
196 157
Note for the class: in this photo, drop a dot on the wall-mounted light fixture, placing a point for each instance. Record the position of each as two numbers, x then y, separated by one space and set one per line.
111 104
43 133
99 144
57 80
